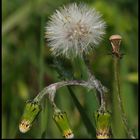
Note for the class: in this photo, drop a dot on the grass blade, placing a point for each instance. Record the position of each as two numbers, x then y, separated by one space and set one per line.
87 122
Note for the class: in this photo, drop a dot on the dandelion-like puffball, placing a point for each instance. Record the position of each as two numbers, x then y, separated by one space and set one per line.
74 30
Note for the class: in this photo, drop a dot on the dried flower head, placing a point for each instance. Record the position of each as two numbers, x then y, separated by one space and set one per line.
74 30
115 42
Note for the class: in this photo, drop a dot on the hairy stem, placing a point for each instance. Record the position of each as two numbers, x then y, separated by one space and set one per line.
51 89
117 81
100 88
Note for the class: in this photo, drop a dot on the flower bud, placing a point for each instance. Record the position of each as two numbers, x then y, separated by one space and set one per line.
31 110
62 122
102 120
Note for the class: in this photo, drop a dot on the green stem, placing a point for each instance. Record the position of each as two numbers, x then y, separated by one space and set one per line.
117 81
41 61
44 113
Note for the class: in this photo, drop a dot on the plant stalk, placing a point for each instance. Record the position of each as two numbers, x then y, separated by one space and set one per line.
117 81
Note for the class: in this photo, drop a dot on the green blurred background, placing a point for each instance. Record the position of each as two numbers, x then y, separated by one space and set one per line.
27 67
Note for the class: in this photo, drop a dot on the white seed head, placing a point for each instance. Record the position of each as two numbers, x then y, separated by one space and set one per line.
24 126
74 30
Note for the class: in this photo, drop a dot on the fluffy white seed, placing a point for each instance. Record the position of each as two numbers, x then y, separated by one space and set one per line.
74 30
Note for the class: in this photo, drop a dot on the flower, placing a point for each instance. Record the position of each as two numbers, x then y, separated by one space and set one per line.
62 122
102 121
74 30
32 109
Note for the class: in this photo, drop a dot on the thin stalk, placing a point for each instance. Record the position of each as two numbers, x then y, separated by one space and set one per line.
101 89
41 60
44 113
51 89
117 81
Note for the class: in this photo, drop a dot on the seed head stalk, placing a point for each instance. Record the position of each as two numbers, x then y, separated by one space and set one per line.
117 81
115 42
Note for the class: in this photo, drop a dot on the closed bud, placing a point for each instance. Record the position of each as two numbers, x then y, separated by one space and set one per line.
31 110
62 122
102 120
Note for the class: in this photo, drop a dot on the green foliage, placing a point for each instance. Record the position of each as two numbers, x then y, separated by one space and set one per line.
27 67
